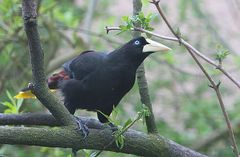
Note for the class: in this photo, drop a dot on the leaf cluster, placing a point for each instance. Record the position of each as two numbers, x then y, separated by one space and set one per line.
222 53
13 106
140 19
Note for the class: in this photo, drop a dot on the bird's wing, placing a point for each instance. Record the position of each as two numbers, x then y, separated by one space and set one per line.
84 64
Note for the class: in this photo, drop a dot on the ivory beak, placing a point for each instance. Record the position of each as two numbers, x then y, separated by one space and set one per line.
154 46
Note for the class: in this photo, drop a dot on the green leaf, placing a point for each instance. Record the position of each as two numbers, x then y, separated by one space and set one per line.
7 104
178 32
10 97
145 110
19 103
140 19
125 18
120 141
222 53
13 106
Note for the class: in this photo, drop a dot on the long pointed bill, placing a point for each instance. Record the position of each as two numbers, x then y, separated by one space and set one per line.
154 46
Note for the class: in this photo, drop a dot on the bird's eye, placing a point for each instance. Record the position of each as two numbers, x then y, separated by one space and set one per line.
137 42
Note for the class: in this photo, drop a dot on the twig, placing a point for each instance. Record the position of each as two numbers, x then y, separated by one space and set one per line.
213 84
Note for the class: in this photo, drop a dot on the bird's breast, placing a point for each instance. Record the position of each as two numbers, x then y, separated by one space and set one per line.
103 88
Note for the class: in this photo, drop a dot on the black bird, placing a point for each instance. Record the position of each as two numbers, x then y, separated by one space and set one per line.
97 81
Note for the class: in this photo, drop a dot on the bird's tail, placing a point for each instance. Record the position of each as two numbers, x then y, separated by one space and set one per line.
53 85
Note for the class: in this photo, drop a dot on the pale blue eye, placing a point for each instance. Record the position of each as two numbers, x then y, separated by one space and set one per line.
137 42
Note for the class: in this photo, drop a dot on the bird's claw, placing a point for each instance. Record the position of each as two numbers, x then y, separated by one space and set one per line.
82 127
113 127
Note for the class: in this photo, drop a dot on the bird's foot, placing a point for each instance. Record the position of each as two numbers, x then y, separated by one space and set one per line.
82 127
113 127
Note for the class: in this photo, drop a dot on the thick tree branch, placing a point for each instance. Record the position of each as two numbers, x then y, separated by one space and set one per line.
141 78
135 142
28 119
42 119
37 60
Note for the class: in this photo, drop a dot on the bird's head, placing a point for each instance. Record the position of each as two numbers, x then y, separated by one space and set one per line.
145 45
137 49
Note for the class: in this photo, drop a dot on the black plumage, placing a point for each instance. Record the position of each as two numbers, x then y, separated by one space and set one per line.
98 81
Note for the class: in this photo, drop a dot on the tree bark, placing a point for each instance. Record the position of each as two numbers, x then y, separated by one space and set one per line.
141 78
39 87
136 142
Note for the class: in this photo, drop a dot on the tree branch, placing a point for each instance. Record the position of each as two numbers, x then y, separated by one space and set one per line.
42 119
137 143
37 60
141 78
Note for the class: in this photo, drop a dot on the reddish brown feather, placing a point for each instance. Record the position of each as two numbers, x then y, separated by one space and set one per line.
55 78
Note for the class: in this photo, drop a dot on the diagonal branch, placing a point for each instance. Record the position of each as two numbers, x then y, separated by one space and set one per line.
39 87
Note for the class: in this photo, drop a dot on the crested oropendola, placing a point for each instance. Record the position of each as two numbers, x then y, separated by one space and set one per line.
97 81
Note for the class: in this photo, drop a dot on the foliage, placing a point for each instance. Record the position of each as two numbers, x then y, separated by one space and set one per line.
121 129
119 137
221 53
141 19
12 106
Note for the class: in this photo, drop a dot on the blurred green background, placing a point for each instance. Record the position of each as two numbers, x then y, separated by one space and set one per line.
185 108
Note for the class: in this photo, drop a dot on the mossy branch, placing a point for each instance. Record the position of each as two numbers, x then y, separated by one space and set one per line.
39 87
136 142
